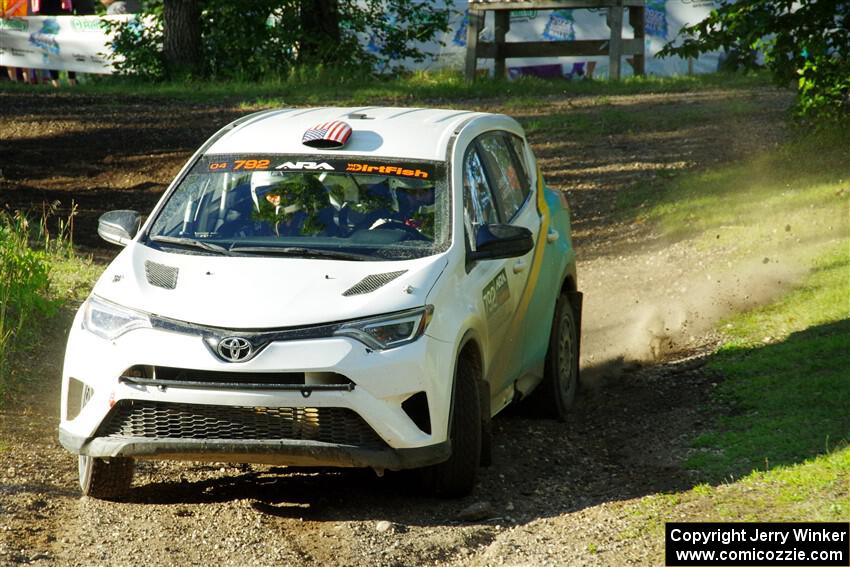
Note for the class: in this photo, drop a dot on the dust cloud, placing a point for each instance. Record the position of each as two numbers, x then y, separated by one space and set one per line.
645 306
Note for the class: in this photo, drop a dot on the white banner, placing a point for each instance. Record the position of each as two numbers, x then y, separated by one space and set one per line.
79 43
62 43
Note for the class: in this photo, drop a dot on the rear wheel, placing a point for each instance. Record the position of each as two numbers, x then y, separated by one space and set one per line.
556 393
456 476
103 478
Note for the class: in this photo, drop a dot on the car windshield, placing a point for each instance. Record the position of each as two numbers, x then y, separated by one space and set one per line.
352 208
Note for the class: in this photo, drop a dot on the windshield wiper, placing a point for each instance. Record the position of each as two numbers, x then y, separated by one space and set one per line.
302 252
192 243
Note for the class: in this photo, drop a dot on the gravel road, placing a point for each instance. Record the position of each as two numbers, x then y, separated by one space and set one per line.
555 492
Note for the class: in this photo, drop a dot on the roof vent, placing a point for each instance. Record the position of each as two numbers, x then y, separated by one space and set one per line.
328 135
160 275
372 282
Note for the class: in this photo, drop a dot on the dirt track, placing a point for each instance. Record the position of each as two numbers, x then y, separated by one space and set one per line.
553 490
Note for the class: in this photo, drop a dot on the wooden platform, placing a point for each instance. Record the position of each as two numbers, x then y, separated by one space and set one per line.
615 47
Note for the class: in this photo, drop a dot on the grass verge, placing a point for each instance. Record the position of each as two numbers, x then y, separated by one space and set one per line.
781 452
38 273
797 192
24 286
787 368
325 86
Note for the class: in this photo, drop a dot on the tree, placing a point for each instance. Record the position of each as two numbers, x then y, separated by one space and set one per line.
181 38
320 32
807 41
232 39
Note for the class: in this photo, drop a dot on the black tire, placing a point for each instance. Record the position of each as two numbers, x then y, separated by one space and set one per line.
456 476
556 393
104 478
486 443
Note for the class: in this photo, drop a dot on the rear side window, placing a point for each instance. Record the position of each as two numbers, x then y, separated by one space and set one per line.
509 181
477 196
519 149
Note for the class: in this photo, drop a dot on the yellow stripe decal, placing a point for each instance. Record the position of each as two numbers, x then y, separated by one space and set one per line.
540 249
531 284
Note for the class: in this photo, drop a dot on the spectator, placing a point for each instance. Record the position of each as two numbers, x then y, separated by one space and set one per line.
14 9
116 7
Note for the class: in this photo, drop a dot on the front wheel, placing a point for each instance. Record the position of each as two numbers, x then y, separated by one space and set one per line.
556 393
456 476
103 478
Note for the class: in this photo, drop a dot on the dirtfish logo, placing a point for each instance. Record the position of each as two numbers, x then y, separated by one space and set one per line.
386 170
14 24
523 15
86 24
308 165
45 39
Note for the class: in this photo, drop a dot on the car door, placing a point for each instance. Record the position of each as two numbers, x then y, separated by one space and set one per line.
499 192
487 279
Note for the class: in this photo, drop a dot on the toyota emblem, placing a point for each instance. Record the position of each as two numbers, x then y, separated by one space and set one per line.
235 349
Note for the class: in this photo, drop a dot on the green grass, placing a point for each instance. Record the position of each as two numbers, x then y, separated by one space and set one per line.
801 187
790 395
781 453
24 283
431 87
602 118
817 490
38 273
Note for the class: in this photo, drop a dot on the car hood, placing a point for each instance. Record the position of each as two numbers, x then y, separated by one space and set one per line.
252 292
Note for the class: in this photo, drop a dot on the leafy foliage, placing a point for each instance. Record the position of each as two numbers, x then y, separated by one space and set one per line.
245 41
393 29
807 41
138 44
24 283
264 38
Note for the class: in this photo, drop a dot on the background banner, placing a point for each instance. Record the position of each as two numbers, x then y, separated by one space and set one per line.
79 43
63 43
664 19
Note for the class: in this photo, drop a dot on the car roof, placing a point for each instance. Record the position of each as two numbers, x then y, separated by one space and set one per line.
412 133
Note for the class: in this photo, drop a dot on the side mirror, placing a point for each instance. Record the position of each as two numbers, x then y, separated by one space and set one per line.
501 241
119 227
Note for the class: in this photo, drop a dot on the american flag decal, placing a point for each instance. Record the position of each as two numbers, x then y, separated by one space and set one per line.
327 135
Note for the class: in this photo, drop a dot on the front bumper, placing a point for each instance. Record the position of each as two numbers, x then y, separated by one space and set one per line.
381 381
280 452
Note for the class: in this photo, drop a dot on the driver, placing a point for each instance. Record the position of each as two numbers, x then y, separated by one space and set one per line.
292 204
262 184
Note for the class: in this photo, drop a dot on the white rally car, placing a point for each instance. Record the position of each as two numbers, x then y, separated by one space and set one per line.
355 287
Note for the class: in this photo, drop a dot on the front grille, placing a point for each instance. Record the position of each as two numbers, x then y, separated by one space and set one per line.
166 376
162 420
213 377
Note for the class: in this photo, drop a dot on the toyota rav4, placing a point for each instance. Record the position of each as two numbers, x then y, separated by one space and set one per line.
352 287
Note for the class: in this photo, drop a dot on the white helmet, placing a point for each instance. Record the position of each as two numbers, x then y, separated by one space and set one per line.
263 179
260 179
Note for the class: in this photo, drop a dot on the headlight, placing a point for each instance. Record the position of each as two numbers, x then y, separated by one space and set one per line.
390 331
109 321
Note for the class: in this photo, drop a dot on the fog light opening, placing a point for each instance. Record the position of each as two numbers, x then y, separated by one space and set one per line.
75 402
416 408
